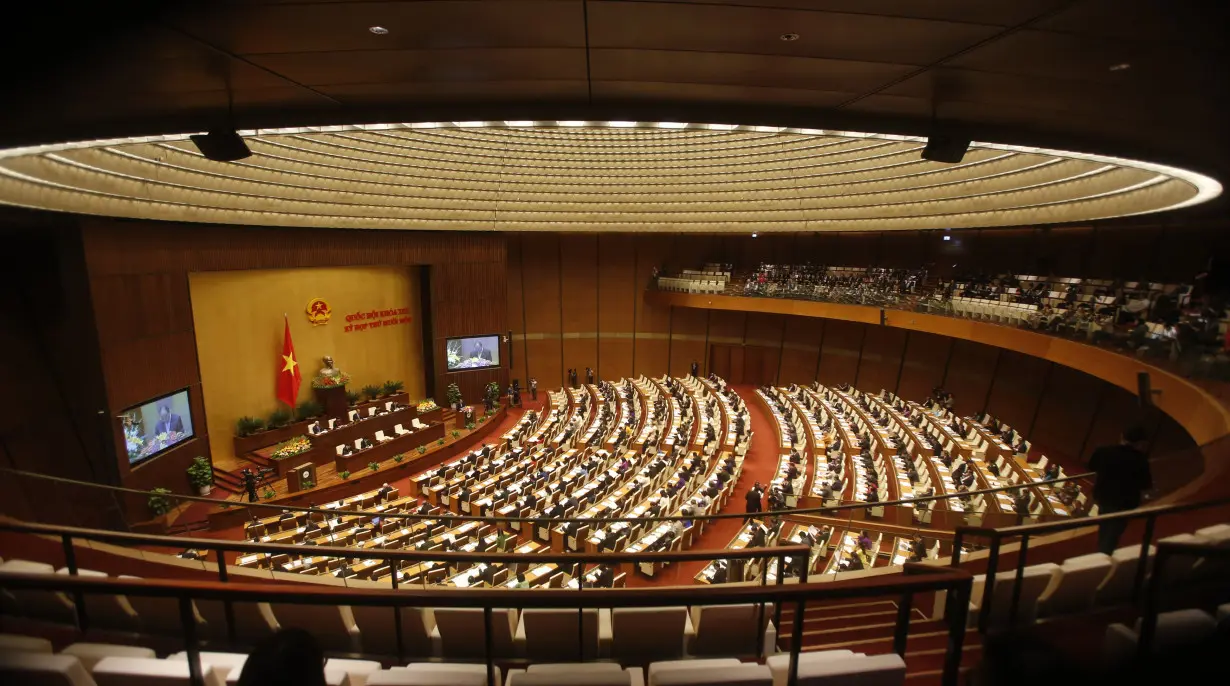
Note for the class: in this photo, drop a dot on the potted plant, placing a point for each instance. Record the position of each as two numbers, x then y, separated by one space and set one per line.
159 501
344 474
399 457
440 442
280 418
374 466
352 398
268 494
372 391
308 409
454 396
422 449
201 475
246 426
493 394
470 426
456 434
391 387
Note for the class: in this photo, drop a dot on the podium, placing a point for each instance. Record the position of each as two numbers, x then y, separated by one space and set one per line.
333 400
301 478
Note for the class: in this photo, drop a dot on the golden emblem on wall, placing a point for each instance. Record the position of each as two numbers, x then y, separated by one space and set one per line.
318 311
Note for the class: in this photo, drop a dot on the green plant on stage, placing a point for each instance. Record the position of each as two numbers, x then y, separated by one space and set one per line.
371 391
159 502
454 395
470 426
308 409
399 457
246 426
456 434
268 494
201 473
352 398
493 393
344 474
373 466
391 387
304 485
280 418
422 449
440 442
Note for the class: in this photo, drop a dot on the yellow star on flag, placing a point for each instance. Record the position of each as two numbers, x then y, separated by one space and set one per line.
290 363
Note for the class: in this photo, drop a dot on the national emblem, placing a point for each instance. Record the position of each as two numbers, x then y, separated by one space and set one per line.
318 311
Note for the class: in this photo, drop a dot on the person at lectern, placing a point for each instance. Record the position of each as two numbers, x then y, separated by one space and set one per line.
168 422
480 352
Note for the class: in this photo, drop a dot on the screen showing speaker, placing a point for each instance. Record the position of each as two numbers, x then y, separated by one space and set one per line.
473 352
154 427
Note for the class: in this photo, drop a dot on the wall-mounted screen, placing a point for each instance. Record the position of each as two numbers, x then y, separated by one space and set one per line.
152 428
473 352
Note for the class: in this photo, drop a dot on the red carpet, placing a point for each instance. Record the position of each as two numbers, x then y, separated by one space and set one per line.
758 465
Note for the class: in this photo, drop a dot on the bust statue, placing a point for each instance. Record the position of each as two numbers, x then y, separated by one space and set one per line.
328 369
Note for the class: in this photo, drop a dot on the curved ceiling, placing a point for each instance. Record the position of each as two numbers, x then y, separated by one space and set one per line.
588 176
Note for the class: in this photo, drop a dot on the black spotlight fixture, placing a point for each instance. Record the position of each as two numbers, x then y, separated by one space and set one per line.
221 145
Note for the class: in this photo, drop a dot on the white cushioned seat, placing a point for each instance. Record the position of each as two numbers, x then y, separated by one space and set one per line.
17 643
41 669
91 653
43 605
227 663
378 633
455 629
551 635
855 670
746 674
1073 585
576 674
467 669
657 668
139 671
333 626
1173 629
779 664
112 612
1117 586
729 630
644 634
401 676
356 670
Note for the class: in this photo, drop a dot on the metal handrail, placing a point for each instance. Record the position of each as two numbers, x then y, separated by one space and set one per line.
918 579
1150 514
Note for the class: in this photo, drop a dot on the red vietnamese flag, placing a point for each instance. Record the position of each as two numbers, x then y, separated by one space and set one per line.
288 371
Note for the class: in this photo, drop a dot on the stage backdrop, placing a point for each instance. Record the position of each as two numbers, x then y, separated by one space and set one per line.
238 324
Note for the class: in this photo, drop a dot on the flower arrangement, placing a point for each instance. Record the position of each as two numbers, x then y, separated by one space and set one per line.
339 379
289 448
425 406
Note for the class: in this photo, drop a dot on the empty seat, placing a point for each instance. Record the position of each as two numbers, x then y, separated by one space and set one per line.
863 670
228 664
1174 629
643 634
1033 581
16 643
41 669
401 676
44 605
1118 585
138 671
356 671
333 627
1073 585
160 616
91 654
657 668
453 635
578 674
743 674
551 635
730 630
464 673
111 612
253 621
378 633
779 664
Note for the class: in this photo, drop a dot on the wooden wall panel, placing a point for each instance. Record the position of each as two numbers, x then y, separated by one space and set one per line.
924 364
727 327
541 276
1117 410
617 299
1017 388
970 370
516 310
1067 411
840 351
579 300
880 362
801 350
687 339
651 349
1065 250
764 330
1124 252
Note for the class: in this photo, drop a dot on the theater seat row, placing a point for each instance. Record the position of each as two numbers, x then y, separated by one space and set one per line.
29 660
1086 581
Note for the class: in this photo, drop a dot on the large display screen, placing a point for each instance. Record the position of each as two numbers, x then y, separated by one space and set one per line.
473 352
155 426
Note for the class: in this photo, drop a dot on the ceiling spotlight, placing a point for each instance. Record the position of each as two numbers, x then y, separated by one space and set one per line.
789 37
948 238
1122 66
378 30
753 235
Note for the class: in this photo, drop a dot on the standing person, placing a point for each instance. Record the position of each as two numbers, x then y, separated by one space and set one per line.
1122 478
589 376
695 368
753 499
534 389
